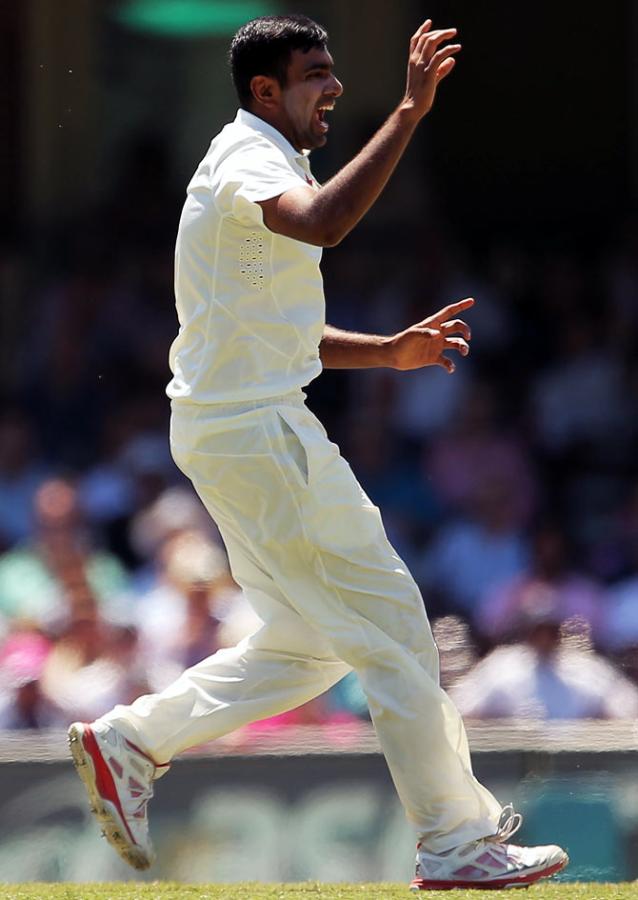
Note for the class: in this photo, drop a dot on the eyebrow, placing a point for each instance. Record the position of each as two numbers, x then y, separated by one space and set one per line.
312 66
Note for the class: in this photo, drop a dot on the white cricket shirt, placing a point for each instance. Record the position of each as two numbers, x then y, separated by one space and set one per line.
250 302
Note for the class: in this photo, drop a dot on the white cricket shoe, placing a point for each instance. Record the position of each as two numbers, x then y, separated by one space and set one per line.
489 863
118 778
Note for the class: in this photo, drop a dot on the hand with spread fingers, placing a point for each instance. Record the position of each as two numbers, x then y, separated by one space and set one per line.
430 60
426 343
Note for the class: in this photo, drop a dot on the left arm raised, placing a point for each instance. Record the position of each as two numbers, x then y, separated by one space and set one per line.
423 344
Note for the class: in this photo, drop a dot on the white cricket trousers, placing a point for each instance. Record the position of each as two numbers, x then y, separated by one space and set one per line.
309 549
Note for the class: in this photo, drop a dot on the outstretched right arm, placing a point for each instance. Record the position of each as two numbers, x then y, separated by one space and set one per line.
325 217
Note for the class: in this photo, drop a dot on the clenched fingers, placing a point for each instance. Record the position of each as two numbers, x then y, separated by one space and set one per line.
457 343
457 325
446 364
452 343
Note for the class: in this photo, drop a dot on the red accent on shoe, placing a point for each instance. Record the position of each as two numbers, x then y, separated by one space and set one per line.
145 755
470 872
103 779
426 884
114 764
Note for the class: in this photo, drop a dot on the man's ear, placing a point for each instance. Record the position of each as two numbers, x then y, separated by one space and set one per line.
265 90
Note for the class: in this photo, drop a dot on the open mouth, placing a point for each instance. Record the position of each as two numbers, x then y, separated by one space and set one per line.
320 116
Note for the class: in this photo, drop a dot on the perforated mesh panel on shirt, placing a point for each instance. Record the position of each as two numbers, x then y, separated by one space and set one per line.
251 260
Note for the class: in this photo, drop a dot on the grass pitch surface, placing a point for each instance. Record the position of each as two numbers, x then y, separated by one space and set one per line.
257 891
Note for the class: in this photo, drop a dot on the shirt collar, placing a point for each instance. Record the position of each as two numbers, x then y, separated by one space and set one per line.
251 121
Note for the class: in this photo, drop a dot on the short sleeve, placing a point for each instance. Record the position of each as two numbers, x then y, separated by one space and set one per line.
253 172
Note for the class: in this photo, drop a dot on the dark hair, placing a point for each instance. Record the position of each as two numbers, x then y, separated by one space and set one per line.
264 46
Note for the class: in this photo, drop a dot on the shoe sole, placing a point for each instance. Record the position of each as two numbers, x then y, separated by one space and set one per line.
523 881
87 759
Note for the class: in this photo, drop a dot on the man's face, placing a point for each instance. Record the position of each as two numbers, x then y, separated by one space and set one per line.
311 89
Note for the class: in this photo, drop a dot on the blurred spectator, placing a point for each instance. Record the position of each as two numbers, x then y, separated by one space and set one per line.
175 510
341 710
579 398
106 489
93 665
193 611
620 635
38 577
490 319
133 470
425 401
61 365
470 556
22 702
550 579
473 451
317 711
20 475
548 675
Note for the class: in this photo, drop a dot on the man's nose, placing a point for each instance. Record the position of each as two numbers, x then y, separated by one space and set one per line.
336 88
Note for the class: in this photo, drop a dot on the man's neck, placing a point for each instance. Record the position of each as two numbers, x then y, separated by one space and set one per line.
276 123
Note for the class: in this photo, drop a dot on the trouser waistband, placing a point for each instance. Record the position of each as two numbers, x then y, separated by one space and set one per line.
295 398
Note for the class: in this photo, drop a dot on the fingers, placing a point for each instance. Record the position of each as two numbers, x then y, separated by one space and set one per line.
457 343
420 346
445 69
423 29
428 43
446 364
432 39
457 325
444 53
449 312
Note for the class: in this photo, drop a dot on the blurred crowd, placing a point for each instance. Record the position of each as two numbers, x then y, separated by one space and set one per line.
510 488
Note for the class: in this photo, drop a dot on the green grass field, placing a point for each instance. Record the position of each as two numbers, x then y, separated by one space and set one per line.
257 891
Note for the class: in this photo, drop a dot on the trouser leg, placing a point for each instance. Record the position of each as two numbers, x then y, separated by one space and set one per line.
275 484
324 544
283 665
375 621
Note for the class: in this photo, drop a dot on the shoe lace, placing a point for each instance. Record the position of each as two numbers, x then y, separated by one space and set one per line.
508 824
